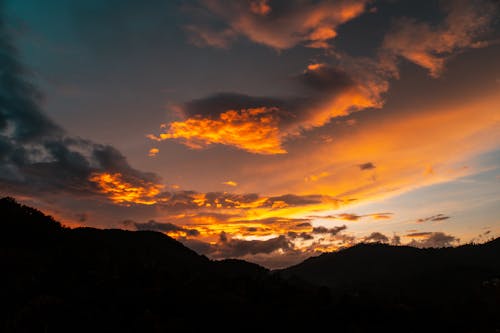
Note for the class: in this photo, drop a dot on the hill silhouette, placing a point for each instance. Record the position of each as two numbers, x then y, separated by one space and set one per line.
57 279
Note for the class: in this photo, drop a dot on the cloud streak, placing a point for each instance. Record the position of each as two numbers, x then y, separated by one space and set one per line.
433 218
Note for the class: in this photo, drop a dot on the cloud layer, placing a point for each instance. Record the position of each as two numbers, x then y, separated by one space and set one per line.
331 89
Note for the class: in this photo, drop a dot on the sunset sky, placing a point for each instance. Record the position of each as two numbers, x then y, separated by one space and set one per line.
265 130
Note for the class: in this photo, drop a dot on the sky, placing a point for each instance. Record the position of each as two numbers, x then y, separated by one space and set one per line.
264 130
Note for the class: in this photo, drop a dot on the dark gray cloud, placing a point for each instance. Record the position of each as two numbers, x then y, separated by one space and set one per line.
419 234
332 231
327 79
302 235
432 239
433 218
165 227
218 103
20 112
366 166
376 237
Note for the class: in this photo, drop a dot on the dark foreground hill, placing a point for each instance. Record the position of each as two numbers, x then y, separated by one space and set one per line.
56 279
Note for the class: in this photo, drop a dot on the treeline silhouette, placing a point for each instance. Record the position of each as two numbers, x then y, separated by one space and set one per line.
56 279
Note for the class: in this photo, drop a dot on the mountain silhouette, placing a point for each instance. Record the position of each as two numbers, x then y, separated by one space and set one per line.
56 279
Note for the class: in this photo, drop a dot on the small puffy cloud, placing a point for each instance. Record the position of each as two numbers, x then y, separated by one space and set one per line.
366 166
429 46
376 237
153 152
230 183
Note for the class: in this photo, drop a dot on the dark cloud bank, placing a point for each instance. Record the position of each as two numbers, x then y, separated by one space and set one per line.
37 156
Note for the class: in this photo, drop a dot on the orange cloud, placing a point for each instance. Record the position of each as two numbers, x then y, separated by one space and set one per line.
354 217
230 183
153 152
260 7
121 191
254 130
311 23
315 66
333 92
355 98
429 46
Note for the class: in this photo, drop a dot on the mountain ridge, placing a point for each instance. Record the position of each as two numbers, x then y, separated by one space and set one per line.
58 279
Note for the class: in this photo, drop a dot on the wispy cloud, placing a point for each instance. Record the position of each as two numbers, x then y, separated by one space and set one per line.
429 46
280 25
433 218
